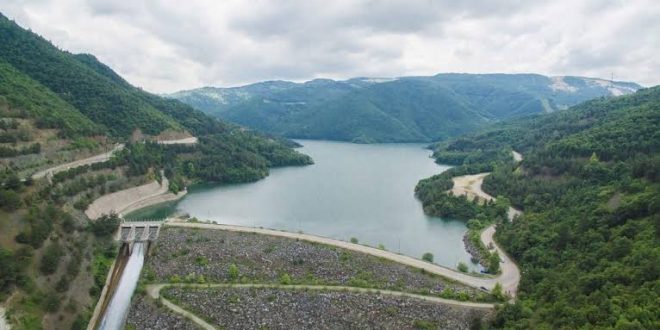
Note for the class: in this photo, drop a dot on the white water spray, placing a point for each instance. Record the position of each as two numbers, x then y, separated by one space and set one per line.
115 314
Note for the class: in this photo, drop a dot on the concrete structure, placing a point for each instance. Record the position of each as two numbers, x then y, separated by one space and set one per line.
138 231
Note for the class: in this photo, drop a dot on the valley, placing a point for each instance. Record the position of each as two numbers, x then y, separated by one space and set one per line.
401 199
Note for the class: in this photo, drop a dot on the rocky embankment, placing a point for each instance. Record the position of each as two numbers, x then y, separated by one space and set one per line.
146 314
185 254
254 308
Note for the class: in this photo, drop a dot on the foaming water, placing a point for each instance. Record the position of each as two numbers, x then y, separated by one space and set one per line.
115 314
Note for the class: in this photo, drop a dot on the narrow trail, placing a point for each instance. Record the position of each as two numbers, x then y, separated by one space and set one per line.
104 157
153 291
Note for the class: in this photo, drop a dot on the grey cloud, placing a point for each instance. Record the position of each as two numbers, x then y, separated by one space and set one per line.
169 45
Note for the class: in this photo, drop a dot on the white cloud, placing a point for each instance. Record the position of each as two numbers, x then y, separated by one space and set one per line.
165 46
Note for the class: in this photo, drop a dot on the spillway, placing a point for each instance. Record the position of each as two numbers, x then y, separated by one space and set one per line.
117 310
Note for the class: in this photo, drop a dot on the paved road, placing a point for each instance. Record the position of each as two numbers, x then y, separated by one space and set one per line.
478 281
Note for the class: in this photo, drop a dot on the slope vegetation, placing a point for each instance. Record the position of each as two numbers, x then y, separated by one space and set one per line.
588 185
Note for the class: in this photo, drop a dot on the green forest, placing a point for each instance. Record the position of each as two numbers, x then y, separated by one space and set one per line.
587 243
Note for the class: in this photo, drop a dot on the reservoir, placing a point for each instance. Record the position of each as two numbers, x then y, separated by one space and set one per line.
352 190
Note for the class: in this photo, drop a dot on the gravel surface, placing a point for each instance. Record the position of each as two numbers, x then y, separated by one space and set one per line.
184 254
255 308
144 314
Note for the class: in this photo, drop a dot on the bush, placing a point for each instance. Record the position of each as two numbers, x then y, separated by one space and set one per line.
354 240
285 279
233 272
105 225
462 267
494 263
51 259
428 257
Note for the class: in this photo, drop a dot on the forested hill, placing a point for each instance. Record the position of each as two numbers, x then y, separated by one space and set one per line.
589 188
395 110
82 97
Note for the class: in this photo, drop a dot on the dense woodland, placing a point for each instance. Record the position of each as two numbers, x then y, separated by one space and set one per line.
587 243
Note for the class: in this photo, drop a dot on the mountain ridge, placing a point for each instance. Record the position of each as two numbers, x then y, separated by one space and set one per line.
402 109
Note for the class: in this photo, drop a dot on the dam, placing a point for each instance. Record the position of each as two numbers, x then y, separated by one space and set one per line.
136 238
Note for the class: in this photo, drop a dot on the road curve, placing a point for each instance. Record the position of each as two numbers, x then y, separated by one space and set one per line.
470 185
154 292
478 281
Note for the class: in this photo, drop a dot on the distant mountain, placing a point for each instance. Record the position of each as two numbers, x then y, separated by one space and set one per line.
405 109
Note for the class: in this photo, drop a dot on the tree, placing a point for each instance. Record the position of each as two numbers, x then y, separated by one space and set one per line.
428 257
494 263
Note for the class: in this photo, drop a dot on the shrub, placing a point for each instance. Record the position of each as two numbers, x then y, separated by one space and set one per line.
105 225
233 272
428 257
354 240
51 259
285 279
462 267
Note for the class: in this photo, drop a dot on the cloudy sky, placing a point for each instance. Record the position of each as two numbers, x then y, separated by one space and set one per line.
164 46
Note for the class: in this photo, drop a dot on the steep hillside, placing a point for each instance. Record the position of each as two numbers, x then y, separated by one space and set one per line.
395 110
589 187
56 108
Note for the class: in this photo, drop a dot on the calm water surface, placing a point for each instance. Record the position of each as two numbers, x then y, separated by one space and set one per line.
352 190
